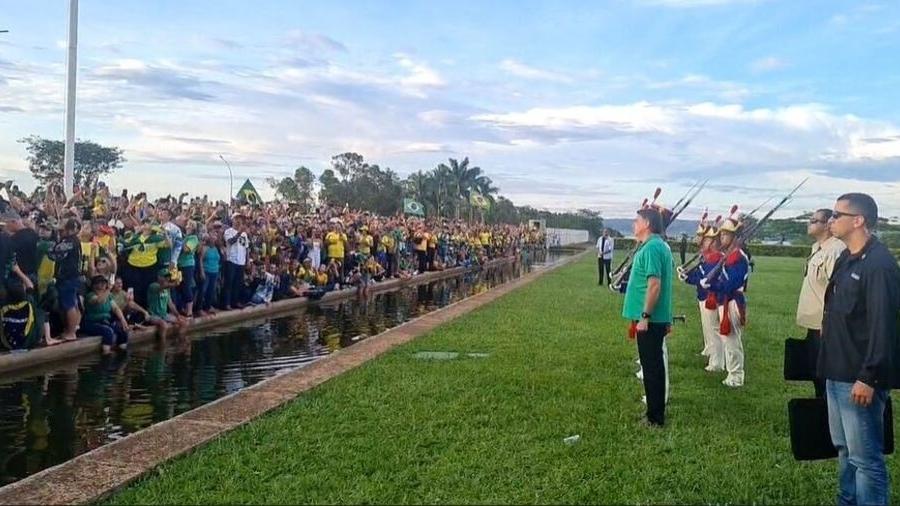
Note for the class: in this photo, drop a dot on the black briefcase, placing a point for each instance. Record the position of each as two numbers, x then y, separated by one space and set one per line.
797 361
810 438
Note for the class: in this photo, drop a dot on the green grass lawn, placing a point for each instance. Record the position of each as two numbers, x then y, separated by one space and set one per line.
490 430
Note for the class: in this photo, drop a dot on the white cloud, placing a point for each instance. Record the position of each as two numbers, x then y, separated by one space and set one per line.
524 71
708 133
300 39
425 147
725 90
435 117
632 118
420 74
768 64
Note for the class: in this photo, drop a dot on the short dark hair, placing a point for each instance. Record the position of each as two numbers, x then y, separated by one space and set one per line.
653 218
72 224
99 280
864 205
824 212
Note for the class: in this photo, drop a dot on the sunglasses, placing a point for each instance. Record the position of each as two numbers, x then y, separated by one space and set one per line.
813 221
836 215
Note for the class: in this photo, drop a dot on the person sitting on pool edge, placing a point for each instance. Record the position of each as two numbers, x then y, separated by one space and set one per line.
99 310
163 313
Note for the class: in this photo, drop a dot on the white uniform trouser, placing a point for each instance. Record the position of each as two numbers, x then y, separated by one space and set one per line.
640 373
734 347
712 344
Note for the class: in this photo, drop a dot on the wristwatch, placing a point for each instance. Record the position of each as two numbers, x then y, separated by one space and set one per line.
645 316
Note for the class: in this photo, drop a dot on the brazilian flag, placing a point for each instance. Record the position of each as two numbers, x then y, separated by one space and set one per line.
410 206
248 195
478 200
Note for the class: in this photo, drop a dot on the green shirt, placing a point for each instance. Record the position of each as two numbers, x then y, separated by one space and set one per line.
652 259
188 255
158 300
97 311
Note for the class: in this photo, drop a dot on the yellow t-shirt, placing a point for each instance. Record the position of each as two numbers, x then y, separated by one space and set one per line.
87 256
321 279
335 244
46 273
421 240
374 267
388 242
365 244
485 238
108 243
143 257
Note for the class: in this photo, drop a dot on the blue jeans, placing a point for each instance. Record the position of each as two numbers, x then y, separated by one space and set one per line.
208 290
111 333
858 436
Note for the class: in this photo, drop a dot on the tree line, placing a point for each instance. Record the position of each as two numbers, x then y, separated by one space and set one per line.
445 191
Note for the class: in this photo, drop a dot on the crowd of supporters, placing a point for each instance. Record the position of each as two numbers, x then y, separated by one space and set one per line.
101 264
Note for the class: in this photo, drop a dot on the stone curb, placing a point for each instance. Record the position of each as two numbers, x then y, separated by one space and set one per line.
94 475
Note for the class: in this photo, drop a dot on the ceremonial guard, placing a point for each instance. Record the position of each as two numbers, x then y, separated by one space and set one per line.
726 284
708 258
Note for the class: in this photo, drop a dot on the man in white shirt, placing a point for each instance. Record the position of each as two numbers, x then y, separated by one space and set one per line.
605 248
819 266
236 244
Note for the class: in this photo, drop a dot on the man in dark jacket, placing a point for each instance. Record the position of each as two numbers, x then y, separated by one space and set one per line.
859 356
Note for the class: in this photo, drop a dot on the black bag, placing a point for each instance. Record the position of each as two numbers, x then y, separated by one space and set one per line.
797 361
810 437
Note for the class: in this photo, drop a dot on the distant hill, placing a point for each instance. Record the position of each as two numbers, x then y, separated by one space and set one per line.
678 227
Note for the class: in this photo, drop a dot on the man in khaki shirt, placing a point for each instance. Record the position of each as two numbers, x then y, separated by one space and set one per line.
819 266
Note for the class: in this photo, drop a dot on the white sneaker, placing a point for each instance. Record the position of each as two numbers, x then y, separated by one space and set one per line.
732 383
640 375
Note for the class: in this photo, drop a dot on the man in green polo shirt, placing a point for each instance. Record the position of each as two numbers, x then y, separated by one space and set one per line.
648 305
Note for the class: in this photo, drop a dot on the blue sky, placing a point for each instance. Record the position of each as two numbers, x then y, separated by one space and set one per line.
565 104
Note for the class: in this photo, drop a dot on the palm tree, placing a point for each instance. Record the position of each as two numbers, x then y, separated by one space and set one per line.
485 186
440 182
462 178
416 186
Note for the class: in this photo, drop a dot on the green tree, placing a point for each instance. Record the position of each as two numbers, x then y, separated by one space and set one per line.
347 164
46 159
285 188
503 211
416 186
361 185
297 189
462 179
332 191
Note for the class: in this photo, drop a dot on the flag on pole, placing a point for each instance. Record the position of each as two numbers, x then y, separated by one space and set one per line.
478 200
410 206
248 194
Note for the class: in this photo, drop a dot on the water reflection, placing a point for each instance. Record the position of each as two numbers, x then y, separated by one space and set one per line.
53 417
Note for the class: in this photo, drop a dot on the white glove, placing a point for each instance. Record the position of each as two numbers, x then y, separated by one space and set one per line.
704 283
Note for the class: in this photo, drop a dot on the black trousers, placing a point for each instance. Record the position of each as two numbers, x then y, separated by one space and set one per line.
815 342
650 351
601 265
423 261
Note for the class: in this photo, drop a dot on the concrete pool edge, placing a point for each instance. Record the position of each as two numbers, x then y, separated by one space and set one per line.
15 364
96 474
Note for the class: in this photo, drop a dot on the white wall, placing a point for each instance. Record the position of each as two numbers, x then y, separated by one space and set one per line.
565 236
